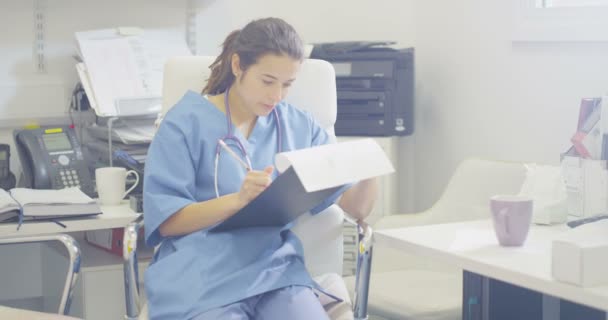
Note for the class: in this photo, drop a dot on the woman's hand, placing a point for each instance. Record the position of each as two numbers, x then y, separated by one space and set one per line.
255 182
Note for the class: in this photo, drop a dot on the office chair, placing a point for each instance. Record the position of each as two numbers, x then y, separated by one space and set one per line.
321 235
408 287
72 274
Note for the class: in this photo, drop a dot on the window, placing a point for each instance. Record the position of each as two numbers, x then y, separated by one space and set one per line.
560 20
570 3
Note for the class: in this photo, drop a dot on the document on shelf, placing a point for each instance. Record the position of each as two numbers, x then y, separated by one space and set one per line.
129 133
123 67
307 178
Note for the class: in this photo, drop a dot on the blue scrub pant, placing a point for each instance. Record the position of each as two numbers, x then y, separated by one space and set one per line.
293 302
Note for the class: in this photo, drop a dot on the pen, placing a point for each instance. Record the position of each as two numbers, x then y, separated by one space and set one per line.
234 155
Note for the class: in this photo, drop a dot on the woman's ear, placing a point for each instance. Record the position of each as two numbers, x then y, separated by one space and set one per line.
235 64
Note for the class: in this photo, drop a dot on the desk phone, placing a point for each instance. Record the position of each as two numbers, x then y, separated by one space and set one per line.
52 158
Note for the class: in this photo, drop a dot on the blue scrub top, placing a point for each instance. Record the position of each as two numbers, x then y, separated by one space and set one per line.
200 271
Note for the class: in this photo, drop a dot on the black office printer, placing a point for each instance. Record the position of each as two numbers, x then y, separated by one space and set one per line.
375 87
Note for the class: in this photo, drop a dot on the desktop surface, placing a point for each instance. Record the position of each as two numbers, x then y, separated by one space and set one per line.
472 246
112 217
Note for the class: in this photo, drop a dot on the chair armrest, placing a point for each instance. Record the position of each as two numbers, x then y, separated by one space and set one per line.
364 265
130 268
73 268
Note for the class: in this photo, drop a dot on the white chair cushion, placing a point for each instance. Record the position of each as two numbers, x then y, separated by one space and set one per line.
414 294
314 89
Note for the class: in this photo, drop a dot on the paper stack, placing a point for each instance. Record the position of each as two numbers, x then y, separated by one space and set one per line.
122 68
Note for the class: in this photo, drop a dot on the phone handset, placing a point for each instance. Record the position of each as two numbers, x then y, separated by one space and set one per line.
35 176
52 159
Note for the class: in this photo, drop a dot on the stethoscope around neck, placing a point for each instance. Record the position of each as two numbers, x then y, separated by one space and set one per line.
236 142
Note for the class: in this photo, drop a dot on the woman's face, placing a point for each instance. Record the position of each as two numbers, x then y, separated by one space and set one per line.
265 83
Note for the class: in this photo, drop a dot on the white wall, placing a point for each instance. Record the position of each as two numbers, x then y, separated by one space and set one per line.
30 95
323 21
479 94
316 21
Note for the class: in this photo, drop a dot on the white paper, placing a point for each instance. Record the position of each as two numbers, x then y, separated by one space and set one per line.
571 171
113 72
128 132
7 203
594 187
336 164
26 196
125 69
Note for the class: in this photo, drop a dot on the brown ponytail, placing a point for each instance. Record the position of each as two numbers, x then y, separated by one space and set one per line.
257 38
221 70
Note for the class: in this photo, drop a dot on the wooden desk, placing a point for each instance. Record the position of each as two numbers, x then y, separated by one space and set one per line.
473 247
111 217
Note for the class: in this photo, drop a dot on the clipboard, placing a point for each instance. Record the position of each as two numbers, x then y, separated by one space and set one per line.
309 176
281 203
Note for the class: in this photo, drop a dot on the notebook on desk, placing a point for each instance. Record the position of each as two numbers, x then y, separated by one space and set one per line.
35 204
9 209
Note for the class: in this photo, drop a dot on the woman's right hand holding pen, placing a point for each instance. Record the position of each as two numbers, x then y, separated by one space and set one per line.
203 214
255 182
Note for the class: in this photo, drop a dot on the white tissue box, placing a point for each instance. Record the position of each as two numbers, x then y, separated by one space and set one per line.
580 256
550 214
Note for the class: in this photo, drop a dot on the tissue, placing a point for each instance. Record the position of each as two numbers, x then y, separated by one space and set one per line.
546 186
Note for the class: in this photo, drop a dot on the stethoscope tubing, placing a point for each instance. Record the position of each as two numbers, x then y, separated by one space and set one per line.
231 137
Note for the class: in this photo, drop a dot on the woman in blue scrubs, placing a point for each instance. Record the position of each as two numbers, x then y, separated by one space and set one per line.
192 184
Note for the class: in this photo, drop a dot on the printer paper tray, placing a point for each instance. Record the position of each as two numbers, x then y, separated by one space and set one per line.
362 102
362 95
361 127
361 107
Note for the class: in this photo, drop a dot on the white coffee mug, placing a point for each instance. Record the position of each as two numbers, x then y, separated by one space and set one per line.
111 183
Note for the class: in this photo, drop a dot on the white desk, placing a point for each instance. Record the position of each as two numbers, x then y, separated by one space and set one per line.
111 217
99 293
473 247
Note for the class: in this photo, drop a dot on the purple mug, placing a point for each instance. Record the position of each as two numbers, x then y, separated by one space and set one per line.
512 216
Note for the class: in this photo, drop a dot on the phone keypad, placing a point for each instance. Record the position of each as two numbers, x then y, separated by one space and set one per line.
68 177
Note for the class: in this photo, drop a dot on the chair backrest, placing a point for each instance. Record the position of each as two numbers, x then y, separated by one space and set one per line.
466 197
314 90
